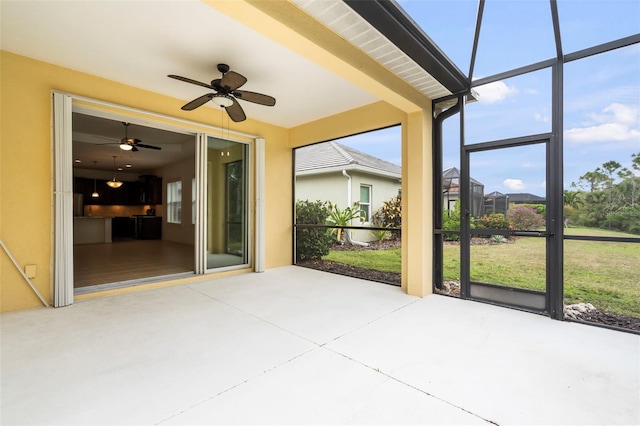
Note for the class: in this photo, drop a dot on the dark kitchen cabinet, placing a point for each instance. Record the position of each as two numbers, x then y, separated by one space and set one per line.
147 227
127 195
122 227
150 189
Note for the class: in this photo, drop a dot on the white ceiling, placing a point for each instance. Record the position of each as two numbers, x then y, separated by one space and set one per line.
139 43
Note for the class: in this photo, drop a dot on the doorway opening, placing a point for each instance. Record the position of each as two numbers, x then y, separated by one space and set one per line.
144 228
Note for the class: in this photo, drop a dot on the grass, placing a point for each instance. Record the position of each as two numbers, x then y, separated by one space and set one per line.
604 274
378 260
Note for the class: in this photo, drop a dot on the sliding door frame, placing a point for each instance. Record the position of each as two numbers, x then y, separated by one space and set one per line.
63 105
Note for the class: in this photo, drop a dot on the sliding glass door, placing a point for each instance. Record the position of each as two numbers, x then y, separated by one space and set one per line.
227 242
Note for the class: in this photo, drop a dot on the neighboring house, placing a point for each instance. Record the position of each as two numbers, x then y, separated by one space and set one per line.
451 191
497 202
333 172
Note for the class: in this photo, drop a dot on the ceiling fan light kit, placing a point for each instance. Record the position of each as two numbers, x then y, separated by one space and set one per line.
222 100
132 144
226 93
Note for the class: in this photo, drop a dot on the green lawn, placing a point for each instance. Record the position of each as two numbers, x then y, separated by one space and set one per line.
604 274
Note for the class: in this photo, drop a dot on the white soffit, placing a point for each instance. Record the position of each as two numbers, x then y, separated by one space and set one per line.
343 20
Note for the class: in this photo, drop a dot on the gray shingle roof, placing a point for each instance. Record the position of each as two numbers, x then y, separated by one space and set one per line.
334 155
523 197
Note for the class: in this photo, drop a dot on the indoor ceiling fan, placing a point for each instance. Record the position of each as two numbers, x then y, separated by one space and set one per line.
132 144
226 93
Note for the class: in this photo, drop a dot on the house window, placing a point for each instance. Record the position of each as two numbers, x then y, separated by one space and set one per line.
365 202
174 202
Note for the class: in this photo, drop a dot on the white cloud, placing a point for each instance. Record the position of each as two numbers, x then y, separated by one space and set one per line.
495 92
542 118
618 113
514 184
543 184
617 122
602 132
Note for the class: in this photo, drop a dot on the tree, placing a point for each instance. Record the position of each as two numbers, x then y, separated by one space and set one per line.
611 198
610 167
626 180
635 165
573 198
592 180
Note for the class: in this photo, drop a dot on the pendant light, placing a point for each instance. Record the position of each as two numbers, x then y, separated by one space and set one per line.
114 183
95 192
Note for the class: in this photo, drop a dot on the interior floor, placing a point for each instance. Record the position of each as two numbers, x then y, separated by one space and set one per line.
129 259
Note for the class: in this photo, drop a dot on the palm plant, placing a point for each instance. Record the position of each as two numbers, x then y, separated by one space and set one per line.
342 217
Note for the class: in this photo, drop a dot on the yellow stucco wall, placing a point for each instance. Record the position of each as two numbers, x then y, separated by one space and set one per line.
26 166
26 170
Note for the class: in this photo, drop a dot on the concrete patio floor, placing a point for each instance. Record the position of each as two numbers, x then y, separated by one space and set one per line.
299 346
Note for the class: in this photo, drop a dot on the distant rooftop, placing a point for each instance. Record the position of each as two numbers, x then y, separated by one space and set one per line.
330 156
523 197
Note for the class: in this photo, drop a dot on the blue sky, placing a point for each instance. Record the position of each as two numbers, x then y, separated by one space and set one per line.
601 93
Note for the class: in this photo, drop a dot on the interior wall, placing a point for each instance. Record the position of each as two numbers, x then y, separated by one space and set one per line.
26 166
184 171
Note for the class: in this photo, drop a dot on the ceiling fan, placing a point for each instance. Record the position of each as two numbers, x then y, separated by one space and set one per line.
226 93
132 144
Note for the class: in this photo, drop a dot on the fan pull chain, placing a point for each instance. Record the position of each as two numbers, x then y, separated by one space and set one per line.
222 126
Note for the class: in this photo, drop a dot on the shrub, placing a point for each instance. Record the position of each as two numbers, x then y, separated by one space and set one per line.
312 243
381 234
525 218
499 239
492 221
451 222
626 219
389 215
343 217
541 209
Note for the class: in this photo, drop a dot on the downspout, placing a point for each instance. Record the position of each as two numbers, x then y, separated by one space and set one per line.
344 173
437 191
348 231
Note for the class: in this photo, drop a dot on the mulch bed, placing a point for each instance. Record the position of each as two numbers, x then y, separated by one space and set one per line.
352 271
451 288
614 320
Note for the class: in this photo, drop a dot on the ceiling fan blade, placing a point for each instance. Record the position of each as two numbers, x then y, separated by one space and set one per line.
188 80
235 111
134 149
256 98
197 102
232 80
142 145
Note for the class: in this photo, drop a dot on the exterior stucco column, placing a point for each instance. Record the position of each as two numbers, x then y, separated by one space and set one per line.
417 199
